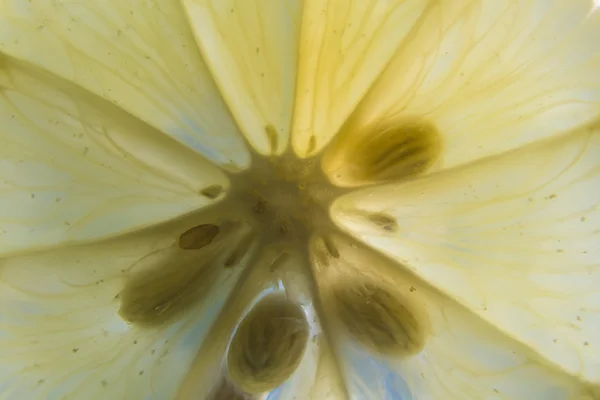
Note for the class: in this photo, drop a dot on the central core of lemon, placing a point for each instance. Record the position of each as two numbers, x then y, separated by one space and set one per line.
275 217
288 198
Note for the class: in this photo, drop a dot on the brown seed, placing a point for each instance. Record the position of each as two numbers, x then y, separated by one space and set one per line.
268 345
198 237
378 319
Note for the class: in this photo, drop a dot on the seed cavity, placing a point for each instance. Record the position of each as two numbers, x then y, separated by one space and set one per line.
268 345
384 221
166 287
378 319
198 237
388 151
212 192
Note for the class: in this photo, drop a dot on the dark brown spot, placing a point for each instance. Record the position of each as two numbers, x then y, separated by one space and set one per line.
231 260
272 136
331 249
284 228
378 319
312 144
384 221
268 345
260 207
212 192
198 237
